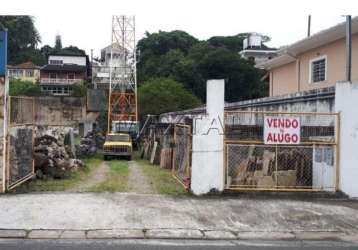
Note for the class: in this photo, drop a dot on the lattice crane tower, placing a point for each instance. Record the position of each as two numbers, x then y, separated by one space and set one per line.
122 72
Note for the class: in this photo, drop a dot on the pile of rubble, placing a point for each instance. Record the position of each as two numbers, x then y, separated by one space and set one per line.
89 144
54 153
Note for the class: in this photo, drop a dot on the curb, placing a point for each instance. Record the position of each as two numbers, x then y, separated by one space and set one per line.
175 234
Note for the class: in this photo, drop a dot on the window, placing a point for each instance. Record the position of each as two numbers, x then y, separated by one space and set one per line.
56 62
318 69
16 72
53 75
71 76
66 90
29 73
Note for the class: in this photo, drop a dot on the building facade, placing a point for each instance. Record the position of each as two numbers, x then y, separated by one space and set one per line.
27 71
318 61
61 73
101 70
254 49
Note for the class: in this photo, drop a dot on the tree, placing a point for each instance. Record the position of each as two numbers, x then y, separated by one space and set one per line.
23 39
58 43
153 46
233 43
46 50
73 50
79 90
160 43
192 62
242 78
160 95
23 88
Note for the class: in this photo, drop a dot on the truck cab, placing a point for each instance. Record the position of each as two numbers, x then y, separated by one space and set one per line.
118 145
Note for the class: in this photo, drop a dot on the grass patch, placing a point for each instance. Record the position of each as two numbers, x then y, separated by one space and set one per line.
54 185
117 181
162 179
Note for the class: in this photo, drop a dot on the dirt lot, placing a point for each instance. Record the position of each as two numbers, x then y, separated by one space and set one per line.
136 176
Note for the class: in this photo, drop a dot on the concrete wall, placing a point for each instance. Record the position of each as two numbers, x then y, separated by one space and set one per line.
97 100
64 111
53 110
294 77
346 104
318 100
20 153
207 152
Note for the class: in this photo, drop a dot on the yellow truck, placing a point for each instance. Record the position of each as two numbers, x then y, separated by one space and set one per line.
118 145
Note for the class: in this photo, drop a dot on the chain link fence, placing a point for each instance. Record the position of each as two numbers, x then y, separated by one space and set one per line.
182 154
309 165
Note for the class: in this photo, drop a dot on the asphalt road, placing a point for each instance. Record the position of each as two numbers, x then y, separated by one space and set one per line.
167 245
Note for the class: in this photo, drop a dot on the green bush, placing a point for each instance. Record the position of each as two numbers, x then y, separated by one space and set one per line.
26 88
79 90
102 121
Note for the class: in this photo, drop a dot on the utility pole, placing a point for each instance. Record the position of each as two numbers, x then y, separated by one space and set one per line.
3 73
348 48
94 85
309 26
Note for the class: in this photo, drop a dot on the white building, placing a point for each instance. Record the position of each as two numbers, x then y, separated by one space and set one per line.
101 71
255 49
67 59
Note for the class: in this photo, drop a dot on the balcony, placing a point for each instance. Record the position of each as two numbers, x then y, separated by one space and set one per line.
59 81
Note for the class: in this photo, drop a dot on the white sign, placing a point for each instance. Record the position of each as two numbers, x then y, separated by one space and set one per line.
282 130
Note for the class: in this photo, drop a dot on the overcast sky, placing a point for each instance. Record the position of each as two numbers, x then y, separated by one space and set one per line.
87 23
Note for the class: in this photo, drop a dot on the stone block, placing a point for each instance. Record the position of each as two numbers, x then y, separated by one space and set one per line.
265 182
219 235
9 233
73 234
319 235
44 234
174 234
266 236
116 234
286 178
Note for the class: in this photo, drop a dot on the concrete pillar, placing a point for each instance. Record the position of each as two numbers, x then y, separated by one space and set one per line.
346 103
207 156
2 141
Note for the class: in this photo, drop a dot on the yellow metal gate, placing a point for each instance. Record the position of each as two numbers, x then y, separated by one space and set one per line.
310 165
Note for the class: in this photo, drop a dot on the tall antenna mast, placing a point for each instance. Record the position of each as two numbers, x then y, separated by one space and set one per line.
122 73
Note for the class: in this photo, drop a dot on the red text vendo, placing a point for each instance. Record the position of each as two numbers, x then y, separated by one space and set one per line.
281 130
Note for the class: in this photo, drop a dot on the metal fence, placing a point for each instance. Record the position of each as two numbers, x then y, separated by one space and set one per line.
312 164
182 154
